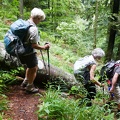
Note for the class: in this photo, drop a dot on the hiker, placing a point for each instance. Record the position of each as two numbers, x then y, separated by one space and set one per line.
115 87
30 58
106 75
84 72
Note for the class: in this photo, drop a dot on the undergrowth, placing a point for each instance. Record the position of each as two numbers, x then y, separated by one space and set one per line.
61 55
56 107
6 78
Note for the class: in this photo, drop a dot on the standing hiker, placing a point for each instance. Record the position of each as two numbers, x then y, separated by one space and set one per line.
84 70
30 58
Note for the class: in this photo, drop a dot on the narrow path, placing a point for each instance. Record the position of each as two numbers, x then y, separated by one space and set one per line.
22 106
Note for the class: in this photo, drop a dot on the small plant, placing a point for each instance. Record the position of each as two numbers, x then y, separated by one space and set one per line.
78 91
3 102
55 107
9 77
1 117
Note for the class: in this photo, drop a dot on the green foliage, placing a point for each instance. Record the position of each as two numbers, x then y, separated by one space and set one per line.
60 54
79 31
1 117
30 4
3 102
77 23
75 34
69 29
3 105
8 13
56 107
78 91
9 10
56 12
8 78
71 32
3 29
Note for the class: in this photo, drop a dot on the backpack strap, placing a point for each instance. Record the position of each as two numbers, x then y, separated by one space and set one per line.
24 39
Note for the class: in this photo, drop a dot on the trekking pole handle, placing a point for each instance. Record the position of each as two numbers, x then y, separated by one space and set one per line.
47 45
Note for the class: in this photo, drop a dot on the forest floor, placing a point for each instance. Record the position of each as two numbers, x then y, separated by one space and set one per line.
22 105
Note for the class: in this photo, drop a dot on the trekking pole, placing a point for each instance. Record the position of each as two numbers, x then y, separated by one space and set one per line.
103 95
48 63
43 61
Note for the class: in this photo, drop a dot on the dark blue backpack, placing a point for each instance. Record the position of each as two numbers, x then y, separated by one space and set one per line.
14 38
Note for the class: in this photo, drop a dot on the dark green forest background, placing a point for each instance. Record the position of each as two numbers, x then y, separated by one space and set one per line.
80 24
74 28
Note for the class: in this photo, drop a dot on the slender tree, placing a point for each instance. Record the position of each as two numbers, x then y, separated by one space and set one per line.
112 30
95 25
21 8
118 52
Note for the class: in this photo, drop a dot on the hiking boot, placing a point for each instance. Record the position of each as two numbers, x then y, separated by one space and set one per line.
24 84
31 89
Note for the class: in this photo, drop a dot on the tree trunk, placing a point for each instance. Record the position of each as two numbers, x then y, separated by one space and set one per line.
57 76
118 52
21 8
112 33
95 25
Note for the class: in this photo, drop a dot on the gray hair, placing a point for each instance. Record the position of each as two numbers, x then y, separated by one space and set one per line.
98 52
37 12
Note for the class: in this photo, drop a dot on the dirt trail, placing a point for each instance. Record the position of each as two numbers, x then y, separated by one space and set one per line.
22 106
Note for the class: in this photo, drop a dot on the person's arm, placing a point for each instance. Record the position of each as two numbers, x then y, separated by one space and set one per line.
36 46
114 80
34 38
92 78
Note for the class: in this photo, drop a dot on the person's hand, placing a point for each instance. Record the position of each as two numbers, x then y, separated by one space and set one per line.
102 85
47 46
111 89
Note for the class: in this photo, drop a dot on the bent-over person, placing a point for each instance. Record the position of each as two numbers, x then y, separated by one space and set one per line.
84 72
